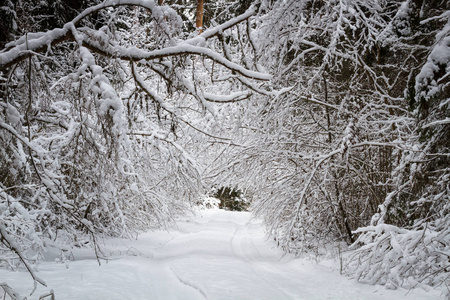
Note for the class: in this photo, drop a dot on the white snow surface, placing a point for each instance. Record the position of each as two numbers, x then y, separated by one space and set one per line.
217 255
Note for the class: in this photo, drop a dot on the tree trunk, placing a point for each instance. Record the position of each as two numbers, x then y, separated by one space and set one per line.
199 19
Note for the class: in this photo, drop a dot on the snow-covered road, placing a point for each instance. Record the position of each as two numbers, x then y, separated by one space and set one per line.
218 255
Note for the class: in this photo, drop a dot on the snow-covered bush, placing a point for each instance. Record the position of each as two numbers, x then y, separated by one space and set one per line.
399 257
208 202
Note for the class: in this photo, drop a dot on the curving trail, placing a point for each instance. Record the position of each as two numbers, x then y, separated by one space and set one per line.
218 255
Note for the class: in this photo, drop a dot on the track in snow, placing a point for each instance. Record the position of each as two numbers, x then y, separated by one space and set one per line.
218 255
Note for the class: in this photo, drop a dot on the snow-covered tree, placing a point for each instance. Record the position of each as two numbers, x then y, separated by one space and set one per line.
356 134
95 124
119 114
326 137
408 241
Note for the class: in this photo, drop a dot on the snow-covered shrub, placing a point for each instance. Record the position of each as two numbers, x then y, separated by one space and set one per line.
208 202
399 257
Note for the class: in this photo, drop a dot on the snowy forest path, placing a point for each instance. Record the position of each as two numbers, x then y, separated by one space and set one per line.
216 255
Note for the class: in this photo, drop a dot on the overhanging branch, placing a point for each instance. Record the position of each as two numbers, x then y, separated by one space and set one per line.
40 42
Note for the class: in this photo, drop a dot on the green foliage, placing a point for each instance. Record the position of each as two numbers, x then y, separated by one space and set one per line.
231 199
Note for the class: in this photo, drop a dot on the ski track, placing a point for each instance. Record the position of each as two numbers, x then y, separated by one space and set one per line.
187 283
248 252
219 255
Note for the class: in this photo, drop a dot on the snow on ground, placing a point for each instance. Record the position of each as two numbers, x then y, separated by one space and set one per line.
218 255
